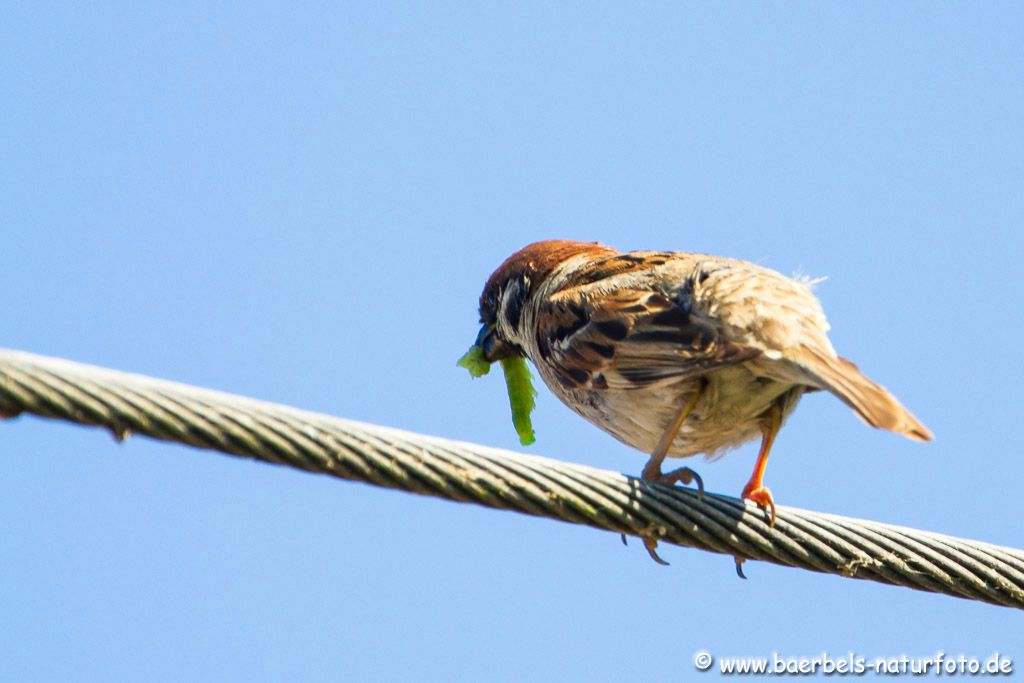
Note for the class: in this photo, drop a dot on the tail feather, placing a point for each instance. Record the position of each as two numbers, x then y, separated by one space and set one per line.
872 402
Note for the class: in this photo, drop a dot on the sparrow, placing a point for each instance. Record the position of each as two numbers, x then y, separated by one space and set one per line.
673 353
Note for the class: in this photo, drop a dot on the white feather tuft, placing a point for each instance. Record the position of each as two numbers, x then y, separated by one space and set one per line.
809 281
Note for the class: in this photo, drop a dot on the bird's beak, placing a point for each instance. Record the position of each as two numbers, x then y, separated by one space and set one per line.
494 349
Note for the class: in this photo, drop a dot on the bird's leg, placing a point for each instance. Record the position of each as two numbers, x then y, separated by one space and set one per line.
755 490
652 470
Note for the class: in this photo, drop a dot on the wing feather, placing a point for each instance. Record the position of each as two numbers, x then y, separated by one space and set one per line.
630 340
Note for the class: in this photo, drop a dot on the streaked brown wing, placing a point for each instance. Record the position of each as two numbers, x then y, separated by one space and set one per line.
631 339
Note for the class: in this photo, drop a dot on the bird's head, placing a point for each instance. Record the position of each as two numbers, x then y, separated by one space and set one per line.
510 290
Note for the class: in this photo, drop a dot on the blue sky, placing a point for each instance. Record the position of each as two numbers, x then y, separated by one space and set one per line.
301 203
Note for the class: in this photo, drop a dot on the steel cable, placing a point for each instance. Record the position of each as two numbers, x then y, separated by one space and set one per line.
125 403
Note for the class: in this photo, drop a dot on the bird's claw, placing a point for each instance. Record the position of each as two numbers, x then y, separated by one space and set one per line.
682 475
651 545
761 495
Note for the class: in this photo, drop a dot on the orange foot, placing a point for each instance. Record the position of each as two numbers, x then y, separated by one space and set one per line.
761 495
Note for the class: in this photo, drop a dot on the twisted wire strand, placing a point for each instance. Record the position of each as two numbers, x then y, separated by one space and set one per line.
464 472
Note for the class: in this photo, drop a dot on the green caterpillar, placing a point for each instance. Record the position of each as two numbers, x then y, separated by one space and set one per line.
520 389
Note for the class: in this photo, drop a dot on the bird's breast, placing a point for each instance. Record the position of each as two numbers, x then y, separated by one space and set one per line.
728 414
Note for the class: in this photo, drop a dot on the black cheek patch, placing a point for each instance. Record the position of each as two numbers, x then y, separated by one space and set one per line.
514 302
